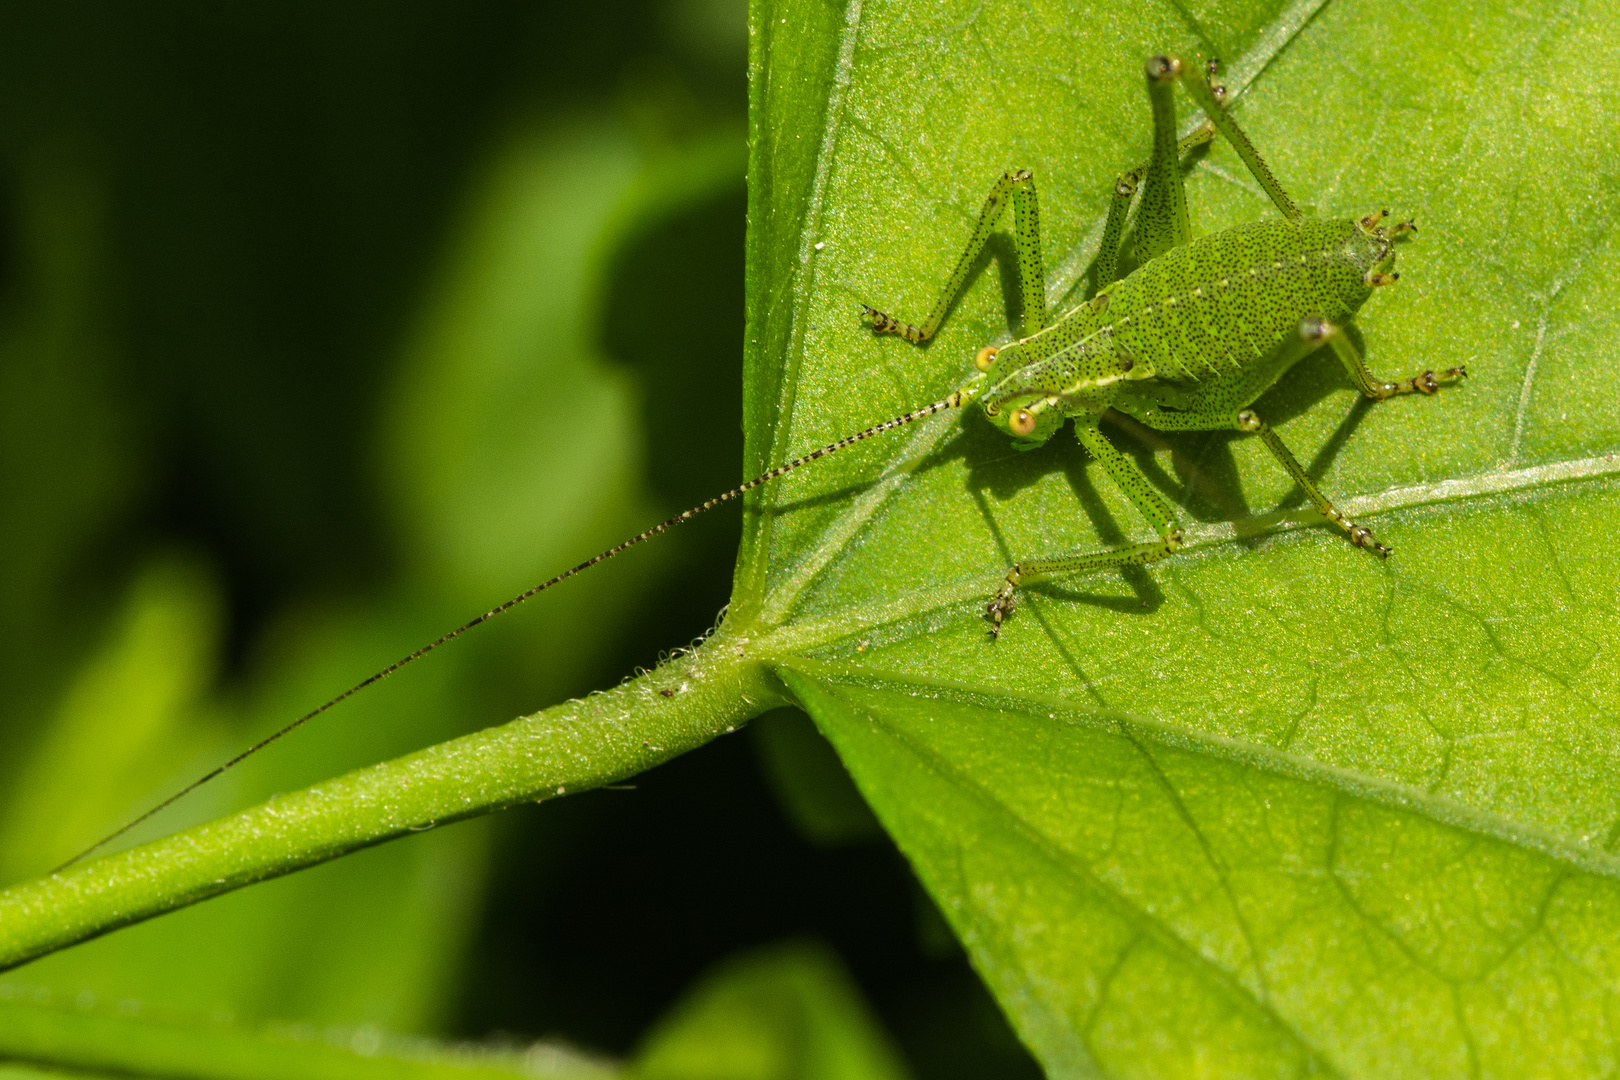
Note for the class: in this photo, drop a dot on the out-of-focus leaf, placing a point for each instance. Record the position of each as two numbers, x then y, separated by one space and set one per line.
129 714
790 1012
118 1038
68 455
507 425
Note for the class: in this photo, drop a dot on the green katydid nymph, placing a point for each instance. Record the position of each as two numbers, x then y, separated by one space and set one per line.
1186 342
1200 329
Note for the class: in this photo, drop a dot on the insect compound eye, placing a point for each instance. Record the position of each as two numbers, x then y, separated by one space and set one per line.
986 357
1022 422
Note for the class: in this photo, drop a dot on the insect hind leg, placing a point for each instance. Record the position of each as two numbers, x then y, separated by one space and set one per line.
1209 98
1161 221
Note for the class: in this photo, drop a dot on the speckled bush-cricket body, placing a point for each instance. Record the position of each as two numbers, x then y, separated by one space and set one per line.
1188 340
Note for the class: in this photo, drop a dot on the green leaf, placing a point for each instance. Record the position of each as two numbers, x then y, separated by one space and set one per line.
1275 806
96 1038
788 1012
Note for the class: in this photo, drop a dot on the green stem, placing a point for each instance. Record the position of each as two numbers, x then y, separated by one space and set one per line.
569 748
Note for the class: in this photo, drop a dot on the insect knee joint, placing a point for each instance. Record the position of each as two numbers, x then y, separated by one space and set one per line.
884 323
1163 68
1316 330
1249 420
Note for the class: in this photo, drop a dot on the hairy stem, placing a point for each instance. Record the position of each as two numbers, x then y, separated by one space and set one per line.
569 748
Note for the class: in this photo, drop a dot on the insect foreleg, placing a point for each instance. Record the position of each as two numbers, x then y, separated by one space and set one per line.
1019 188
1248 420
1316 331
1143 495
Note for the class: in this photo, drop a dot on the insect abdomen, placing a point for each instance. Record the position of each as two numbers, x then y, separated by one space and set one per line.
1212 307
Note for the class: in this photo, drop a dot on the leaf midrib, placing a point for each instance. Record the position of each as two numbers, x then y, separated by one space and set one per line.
787 637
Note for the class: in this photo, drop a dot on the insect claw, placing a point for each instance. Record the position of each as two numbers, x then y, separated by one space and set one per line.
1361 536
1001 607
884 323
997 611
1370 222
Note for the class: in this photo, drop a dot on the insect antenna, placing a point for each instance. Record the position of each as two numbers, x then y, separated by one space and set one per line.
954 401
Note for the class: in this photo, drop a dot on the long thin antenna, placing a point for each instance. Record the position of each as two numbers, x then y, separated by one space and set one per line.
955 400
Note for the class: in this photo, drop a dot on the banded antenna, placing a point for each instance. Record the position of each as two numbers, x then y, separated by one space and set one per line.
954 401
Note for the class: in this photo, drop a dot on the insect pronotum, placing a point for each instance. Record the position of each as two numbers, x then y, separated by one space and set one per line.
1186 342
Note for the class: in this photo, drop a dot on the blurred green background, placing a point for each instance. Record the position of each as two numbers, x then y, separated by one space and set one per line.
323 328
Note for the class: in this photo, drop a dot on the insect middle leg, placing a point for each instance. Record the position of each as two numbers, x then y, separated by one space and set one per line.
1248 420
1316 331
1019 189
1143 496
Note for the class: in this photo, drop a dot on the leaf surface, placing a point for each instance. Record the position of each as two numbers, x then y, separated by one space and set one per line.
1273 806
